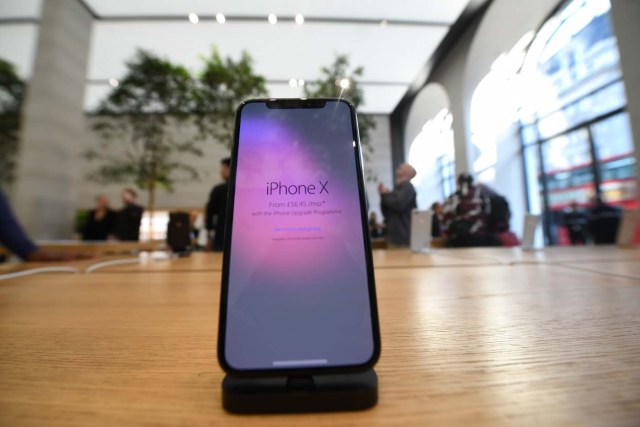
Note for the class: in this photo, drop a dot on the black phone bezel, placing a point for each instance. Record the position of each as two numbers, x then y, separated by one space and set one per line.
375 327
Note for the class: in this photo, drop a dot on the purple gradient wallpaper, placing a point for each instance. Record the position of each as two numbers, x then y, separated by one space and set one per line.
298 290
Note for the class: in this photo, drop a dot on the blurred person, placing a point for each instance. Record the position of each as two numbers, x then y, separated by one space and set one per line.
14 238
436 229
375 228
576 222
100 220
604 221
465 215
127 220
396 206
216 209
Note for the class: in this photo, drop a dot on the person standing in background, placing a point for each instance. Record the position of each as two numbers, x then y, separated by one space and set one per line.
216 210
436 228
604 221
128 219
576 222
396 206
100 221
465 215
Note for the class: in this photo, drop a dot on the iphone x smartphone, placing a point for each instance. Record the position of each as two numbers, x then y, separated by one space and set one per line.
298 291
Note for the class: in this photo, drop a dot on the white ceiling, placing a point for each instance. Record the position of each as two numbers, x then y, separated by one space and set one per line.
391 56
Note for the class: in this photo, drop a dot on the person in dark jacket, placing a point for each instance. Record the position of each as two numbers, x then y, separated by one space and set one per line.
604 221
128 219
100 221
465 215
436 228
576 222
396 206
217 208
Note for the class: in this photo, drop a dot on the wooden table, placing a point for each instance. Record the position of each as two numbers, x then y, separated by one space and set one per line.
487 344
100 248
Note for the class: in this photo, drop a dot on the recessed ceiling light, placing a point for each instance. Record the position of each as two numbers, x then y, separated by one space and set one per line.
193 18
220 18
272 19
299 19
113 82
293 83
300 82
344 83
384 23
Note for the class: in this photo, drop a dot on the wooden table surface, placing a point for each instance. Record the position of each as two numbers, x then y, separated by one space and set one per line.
392 258
212 261
489 344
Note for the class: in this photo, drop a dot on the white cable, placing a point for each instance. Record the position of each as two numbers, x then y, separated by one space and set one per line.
39 270
94 267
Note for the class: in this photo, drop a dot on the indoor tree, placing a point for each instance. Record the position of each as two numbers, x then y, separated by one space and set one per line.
340 80
12 91
138 124
222 85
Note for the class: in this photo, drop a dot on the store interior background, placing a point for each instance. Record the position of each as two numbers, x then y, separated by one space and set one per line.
537 98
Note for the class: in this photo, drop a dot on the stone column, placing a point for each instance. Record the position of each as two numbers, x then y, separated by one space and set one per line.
626 15
53 122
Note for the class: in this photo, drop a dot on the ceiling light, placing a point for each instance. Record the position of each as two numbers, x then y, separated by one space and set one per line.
299 19
300 82
344 83
220 18
113 82
384 23
293 83
273 19
193 18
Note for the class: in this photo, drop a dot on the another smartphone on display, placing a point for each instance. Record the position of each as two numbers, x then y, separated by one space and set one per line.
298 291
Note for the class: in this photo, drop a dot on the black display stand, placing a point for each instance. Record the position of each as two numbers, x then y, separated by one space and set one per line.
316 393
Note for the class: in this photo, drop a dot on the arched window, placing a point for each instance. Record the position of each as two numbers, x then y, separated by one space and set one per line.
494 107
575 130
432 155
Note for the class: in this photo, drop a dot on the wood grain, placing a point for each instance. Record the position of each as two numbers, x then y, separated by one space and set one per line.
488 345
394 258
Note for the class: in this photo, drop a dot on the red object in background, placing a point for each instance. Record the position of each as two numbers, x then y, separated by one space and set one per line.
508 239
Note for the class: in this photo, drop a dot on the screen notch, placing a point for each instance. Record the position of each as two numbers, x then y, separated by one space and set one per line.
296 103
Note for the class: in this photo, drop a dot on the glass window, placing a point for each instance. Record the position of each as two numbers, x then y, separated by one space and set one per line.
529 135
432 155
612 137
581 47
614 147
447 175
568 169
156 229
610 98
576 99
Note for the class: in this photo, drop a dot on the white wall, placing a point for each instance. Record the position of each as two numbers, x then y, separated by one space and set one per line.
450 73
379 163
186 195
625 15
429 102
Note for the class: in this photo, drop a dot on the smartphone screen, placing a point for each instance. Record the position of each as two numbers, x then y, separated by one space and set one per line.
298 291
